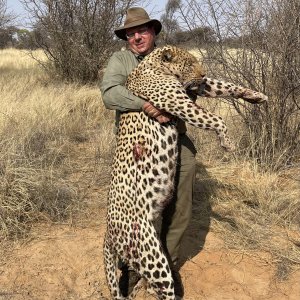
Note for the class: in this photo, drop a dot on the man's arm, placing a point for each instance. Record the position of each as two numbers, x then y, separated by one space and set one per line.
114 93
153 112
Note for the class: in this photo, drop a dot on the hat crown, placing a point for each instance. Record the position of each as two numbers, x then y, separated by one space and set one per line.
135 14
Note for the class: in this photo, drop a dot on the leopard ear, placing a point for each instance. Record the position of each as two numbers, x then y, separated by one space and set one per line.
167 55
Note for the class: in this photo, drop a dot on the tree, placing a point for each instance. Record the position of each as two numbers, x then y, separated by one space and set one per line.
5 16
25 39
8 37
266 37
197 36
169 22
77 35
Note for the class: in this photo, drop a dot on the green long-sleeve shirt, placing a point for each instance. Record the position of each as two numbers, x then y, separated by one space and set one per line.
114 93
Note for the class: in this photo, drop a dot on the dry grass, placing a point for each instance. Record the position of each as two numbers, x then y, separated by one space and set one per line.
252 209
42 121
258 211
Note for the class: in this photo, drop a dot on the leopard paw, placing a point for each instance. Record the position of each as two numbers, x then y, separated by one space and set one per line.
254 97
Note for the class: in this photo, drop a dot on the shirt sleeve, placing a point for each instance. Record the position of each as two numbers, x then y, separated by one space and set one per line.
114 93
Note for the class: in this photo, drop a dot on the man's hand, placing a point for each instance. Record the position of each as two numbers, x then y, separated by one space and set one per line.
152 111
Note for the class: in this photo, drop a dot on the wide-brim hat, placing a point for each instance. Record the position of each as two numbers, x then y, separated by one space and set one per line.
136 16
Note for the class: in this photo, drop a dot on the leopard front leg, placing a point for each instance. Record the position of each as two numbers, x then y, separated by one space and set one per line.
203 118
188 111
214 88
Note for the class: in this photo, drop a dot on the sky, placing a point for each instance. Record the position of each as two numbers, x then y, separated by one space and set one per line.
155 9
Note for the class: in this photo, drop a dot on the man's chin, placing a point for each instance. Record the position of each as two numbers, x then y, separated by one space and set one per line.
141 49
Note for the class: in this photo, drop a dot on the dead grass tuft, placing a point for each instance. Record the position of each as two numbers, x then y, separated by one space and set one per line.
256 210
41 121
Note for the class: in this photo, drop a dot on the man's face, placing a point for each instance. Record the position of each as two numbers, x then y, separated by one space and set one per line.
141 39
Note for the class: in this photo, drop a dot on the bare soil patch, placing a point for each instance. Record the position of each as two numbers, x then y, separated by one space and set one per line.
65 262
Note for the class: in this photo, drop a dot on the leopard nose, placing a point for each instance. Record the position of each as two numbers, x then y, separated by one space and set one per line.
201 74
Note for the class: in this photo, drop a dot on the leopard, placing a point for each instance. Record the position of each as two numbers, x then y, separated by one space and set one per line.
144 163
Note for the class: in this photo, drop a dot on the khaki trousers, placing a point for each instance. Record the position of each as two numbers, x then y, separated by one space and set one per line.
177 215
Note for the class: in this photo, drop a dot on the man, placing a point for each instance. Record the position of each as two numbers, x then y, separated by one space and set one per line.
140 32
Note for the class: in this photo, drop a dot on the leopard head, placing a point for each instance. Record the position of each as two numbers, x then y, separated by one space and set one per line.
183 66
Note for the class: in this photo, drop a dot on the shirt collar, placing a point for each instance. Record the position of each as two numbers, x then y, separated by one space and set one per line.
139 57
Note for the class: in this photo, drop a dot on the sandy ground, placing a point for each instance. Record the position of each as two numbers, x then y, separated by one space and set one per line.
65 261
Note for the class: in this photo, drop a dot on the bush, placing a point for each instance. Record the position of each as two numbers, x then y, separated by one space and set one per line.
77 36
266 59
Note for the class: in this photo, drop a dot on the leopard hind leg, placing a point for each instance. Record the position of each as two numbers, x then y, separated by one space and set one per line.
152 264
110 263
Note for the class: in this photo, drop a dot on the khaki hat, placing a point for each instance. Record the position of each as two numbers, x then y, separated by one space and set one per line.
137 16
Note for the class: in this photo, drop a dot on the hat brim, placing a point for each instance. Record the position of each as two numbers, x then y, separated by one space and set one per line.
121 32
